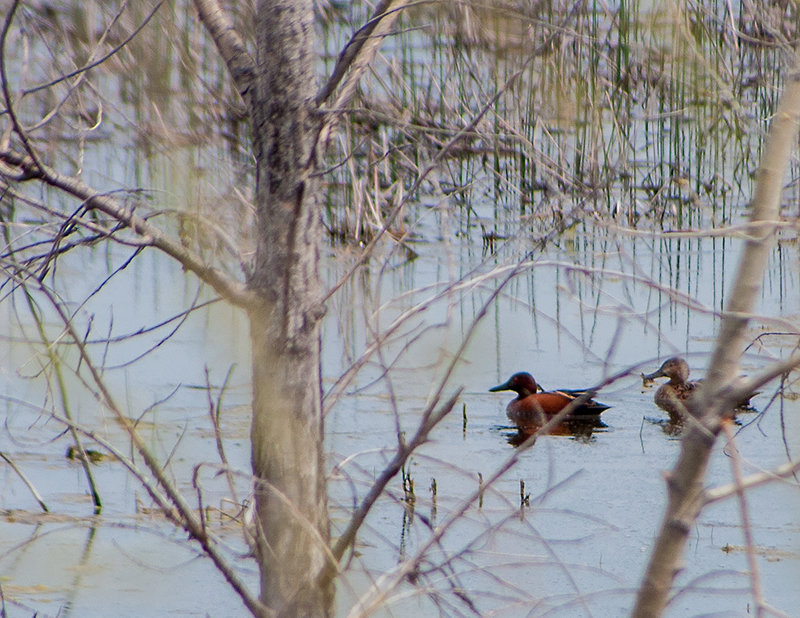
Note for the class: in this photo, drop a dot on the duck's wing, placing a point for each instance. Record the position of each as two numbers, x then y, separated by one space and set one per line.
589 407
574 393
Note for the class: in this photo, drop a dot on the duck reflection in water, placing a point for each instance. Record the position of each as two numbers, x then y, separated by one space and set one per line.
581 430
532 408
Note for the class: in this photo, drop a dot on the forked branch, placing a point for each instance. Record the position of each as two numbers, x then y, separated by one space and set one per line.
150 235
359 51
177 509
229 44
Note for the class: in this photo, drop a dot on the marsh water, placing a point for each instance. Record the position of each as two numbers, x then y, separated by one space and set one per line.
599 278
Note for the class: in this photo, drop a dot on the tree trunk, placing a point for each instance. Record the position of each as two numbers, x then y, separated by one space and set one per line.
287 428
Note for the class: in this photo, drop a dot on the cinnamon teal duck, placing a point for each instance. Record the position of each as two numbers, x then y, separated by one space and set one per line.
673 396
533 407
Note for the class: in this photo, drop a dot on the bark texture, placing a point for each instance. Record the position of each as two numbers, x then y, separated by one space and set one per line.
285 301
714 400
287 429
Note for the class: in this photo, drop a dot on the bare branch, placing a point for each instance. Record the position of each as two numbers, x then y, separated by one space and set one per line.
56 363
713 401
359 51
180 511
746 387
230 45
236 292
36 164
717 494
747 530
398 461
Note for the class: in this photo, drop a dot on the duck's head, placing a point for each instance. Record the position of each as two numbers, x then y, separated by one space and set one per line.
521 383
675 368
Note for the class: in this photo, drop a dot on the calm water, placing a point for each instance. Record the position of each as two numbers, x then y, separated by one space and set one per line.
579 548
594 300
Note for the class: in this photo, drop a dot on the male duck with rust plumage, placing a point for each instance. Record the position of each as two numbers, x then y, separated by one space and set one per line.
534 408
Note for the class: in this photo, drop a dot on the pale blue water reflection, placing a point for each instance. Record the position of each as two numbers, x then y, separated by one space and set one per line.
581 310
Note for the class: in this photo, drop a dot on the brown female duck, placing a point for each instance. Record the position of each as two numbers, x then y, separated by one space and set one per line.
673 396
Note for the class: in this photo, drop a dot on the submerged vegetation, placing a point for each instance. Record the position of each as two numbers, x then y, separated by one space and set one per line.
648 118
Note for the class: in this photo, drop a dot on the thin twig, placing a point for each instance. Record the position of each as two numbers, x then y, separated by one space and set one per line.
36 164
55 361
230 45
235 291
747 529
215 412
389 472
25 480
183 511
353 56
710 496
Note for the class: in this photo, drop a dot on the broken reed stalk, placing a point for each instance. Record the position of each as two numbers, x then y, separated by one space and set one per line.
747 530
25 480
55 362
214 411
